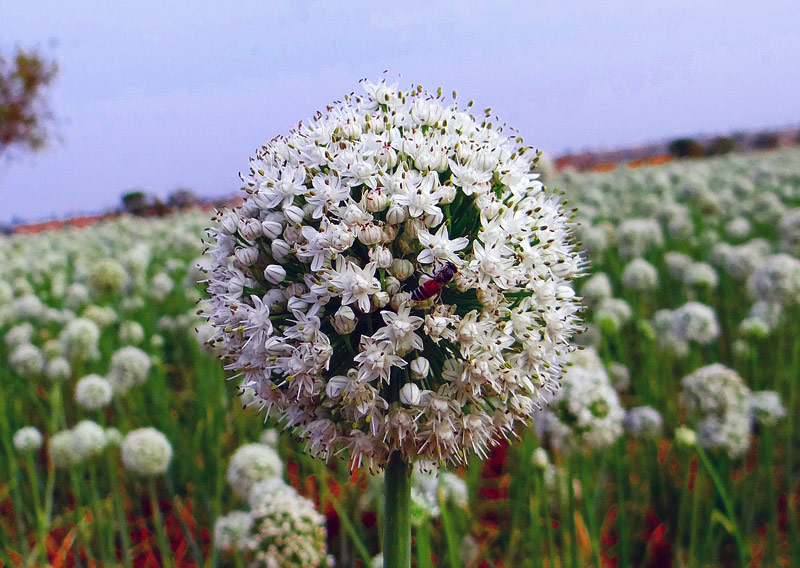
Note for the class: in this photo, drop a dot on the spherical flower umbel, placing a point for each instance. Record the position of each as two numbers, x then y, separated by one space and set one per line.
146 452
287 531
129 367
386 195
93 392
27 439
250 464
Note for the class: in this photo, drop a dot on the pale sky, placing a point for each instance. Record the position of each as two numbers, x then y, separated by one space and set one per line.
160 95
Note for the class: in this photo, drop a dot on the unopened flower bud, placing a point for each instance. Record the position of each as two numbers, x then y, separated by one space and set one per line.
539 458
344 320
685 436
420 367
336 385
410 394
369 234
391 285
400 299
381 256
275 273
388 233
271 229
280 249
380 299
250 229
448 193
247 256
401 269
229 223
396 214
293 214
433 219
376 200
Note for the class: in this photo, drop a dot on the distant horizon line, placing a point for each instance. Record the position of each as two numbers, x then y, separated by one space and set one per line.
586 152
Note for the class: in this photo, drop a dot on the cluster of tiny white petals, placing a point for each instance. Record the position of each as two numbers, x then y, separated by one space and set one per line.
129 367
718 401
107 277
146 452
644 422
639 275
93 392
585 413
78 340
27 439
766 407
311 280
250 464
777 280
231 531
288 532
27 361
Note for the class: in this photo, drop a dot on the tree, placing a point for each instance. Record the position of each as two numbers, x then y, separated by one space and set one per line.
721 145
136 202
182 198
686 148
25 115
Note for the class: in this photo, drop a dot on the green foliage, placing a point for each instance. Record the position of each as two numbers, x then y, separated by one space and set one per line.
686 148
25 116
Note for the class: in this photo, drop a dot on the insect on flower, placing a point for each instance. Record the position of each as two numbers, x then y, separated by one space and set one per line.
434 286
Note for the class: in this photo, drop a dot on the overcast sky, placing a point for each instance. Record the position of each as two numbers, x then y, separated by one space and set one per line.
161 95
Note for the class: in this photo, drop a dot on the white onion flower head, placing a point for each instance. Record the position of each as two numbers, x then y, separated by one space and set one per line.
77 296
270 437
62 450
777 280
58 369
89 439
160 286
107 277
717 400
620 377
19 335
131 333
102 316
6 293
695 322
250 464
613 313
262 491
738 228
146 452
288 532
789 230
93 392
644 422
27 361
79 339
585 413
129 367
27 439
114 436
232 531
639 275
636 236
597 288
677 263
766 407
700 275
358 208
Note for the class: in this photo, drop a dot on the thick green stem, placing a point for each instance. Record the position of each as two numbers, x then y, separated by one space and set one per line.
397 513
